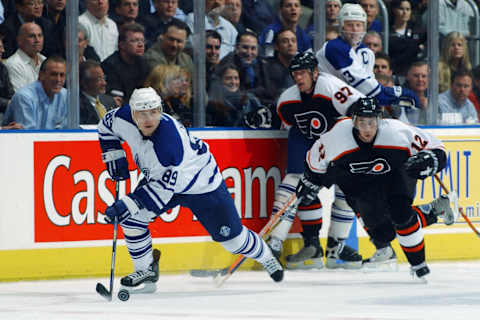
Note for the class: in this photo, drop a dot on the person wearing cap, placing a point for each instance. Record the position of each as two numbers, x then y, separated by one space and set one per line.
178 169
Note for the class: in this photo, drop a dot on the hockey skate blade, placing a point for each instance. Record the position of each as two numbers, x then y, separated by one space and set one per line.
202 273
101 290
385 266
148 287
305 265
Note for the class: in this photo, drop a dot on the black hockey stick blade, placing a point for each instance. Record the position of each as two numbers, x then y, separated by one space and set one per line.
103 291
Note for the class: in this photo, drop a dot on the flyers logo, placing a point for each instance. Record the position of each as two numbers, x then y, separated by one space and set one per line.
312 124
377 166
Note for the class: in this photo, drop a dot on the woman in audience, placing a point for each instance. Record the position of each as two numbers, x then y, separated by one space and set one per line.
172 83
453 56
407 40
228 105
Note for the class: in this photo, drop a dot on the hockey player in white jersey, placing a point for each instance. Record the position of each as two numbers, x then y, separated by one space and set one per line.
178 170
309 109
377 163
348 59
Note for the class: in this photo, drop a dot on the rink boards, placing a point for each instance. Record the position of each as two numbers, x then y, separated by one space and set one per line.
55 187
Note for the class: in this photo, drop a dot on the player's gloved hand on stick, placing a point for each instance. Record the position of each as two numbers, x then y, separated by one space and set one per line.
422 165
123 209
260 118
116 163
307 190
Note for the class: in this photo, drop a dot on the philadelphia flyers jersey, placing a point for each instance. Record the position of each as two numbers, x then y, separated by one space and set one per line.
355 165
315 114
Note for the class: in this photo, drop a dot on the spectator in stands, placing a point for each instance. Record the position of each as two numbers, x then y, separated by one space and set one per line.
126 12
290 12
453 15
24 65
228 104
127 68
453 104
257 15
169 48
156 23
43 103
94 103
453 56
383 66
332 7
407 40
373 41
54 11
285 46
233 13
214 21
85 52
28 11
172 83
474 96
253 69
212 54
102 31
331 33
371 9
417 81
6 89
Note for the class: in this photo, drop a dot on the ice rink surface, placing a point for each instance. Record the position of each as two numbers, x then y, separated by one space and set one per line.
452 292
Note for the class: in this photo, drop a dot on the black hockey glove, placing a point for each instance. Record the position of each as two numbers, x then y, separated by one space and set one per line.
421 165
307 190
116 163
260 118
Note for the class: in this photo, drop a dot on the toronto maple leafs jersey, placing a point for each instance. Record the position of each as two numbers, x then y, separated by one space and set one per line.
172 161
355 165
314 116
353 65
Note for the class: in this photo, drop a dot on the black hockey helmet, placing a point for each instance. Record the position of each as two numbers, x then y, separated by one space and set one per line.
366 107
303 60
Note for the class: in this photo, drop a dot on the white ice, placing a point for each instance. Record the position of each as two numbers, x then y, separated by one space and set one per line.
452 292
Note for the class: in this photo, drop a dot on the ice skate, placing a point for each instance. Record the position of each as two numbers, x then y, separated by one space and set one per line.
382 259
441 208
274 268
420 272
337 250
309 257
141 281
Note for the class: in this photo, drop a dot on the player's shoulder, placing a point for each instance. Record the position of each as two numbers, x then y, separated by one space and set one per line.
167 142
395 132
337 52
341 126
291 94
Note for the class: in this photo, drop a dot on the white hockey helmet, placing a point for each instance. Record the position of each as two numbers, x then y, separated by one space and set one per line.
352 12
145 99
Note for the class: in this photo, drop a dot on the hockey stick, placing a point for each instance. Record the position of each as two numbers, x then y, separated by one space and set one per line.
107 294
460 209
292 204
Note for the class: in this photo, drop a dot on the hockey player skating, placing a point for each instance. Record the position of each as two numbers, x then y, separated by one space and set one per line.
348 59
377 163
178 170
308 109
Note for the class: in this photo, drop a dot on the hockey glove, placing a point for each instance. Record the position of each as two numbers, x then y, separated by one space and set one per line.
409 99
116 163
422 165
123 209
260 118
307 190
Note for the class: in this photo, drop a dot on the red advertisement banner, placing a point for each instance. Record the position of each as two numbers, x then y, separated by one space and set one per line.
72 188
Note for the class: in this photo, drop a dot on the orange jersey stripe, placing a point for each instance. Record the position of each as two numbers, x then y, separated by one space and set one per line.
310 207
312 222
421 216
409 230
417 248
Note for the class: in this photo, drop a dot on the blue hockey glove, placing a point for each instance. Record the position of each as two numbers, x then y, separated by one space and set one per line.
122 209
307 190
421 165
116 163
408 98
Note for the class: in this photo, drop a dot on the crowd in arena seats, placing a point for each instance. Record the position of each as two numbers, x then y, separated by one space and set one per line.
125 44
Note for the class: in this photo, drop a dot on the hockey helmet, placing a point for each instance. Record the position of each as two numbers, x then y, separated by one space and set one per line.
352 12
145 99
366 107
303 60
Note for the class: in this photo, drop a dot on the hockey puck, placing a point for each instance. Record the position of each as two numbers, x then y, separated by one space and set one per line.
123 295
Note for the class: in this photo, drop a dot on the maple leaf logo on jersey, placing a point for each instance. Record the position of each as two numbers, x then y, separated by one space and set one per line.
312 124
377 166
